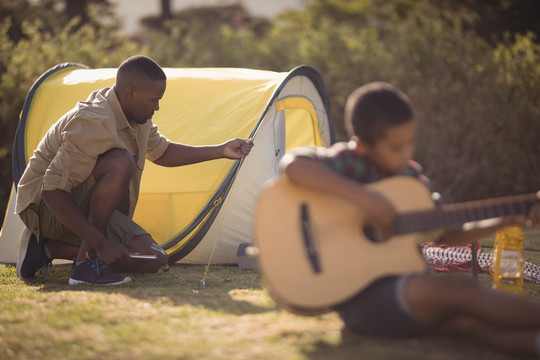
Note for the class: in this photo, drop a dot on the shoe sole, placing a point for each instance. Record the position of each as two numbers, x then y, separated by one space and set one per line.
78 282
23 247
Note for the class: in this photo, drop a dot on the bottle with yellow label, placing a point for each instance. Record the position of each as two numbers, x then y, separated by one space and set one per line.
507 266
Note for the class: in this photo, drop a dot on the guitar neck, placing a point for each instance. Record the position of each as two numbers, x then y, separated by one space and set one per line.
458 214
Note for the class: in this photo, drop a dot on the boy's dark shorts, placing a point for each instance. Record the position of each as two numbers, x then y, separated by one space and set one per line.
42 222
381 309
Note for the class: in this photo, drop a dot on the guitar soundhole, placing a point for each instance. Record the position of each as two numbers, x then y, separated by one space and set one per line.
371 233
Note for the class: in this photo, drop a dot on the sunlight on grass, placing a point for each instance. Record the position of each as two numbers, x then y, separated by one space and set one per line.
170 316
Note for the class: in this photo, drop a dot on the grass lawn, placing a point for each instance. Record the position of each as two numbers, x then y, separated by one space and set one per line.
169 315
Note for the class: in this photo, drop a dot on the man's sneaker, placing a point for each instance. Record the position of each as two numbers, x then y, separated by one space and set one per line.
95 272
32 257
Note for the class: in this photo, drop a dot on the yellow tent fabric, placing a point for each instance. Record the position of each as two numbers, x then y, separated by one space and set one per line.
200 106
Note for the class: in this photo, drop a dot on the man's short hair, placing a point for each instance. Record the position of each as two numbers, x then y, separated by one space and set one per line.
139 67
372 108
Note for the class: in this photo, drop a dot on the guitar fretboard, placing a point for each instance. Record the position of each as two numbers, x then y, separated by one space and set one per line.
457 214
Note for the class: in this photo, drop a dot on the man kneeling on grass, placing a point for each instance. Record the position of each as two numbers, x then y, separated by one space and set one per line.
78 193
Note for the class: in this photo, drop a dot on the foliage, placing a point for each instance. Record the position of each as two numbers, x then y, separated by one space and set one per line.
494 20
476 100
54 15
475 104
198 37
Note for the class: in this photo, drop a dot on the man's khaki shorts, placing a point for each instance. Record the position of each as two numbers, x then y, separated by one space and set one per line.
43 223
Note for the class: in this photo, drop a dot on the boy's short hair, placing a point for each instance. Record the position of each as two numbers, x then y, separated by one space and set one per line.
137 67
372 108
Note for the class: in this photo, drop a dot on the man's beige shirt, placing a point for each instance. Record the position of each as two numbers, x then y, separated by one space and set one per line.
67 154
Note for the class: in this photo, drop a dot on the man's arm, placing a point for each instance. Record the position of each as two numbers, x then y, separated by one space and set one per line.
178 154
63 206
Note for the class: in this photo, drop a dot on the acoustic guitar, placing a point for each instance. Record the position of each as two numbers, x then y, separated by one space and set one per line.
316 251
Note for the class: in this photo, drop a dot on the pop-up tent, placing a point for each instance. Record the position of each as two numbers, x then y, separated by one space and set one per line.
202 211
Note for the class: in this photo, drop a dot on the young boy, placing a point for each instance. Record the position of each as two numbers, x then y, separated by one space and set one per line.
379 119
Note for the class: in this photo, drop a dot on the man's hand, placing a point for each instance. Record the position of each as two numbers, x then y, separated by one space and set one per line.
237 148
114 255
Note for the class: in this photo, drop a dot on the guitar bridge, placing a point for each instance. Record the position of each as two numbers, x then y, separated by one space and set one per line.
309 237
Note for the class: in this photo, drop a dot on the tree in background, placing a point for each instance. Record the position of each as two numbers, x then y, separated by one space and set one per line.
54 15
166 13
493 20
474 86
475 101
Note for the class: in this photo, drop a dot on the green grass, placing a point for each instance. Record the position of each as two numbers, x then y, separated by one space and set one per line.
169 315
